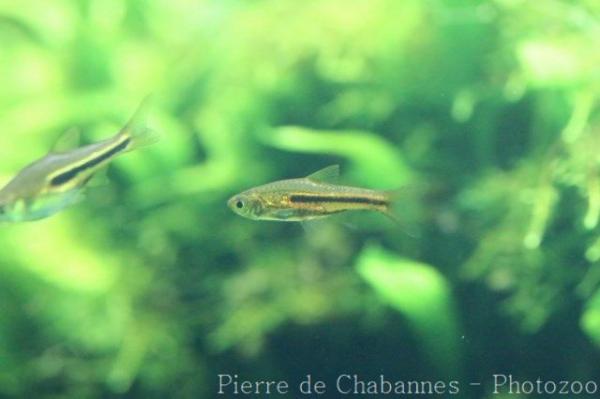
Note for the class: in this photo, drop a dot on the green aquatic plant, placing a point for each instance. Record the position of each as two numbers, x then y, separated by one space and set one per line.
422 295
153 287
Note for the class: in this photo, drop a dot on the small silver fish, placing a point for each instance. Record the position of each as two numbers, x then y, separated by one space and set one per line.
54 182
311 197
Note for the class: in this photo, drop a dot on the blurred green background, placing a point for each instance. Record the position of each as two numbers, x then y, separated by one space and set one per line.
151 287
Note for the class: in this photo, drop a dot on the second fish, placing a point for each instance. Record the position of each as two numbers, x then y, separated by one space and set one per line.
55 181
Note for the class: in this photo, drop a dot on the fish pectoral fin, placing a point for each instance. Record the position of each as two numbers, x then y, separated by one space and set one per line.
329 174
68 198
67 141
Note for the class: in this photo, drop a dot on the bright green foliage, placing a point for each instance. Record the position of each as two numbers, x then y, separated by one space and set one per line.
151 286
424 297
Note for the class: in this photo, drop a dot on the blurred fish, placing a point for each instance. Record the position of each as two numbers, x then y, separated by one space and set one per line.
56 181
311 197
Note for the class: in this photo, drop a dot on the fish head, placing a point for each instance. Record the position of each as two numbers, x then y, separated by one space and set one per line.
10 211
15 197
7 205
247 204
15 210
3 213
28 209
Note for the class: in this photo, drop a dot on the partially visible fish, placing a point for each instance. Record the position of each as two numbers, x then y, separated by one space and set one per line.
55 181
311 197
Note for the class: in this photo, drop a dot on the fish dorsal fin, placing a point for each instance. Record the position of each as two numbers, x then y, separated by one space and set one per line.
329 174
69 140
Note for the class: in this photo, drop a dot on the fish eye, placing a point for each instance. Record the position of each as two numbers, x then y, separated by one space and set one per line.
239 204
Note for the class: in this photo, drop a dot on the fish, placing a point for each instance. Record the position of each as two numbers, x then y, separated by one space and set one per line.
312 197
57 180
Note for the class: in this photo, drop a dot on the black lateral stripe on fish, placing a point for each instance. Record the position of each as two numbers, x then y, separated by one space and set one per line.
307 198
66 176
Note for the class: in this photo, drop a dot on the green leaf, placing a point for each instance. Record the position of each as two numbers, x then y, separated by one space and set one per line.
421 294
374 157
590 320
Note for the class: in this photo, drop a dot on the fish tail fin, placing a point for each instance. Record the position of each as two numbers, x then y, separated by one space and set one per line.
413 192
407 197
403 223
136 129
389 211
408 193
142 137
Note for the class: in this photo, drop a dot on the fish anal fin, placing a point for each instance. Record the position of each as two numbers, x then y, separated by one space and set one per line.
98 179
322 226
310 226
329 174
319 230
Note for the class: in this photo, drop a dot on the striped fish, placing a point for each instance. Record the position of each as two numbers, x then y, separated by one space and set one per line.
55 181
311 197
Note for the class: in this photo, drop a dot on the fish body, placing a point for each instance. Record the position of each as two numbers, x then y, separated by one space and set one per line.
55 181
303 199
